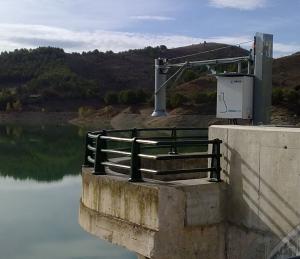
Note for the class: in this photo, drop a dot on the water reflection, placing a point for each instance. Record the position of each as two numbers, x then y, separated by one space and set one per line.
38 216
40 153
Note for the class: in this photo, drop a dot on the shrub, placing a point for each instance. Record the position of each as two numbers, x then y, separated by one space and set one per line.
8 107
212 97
291 96
200 98
189 75
85 111
177 100
127 97
17 105
5 97
277 96
111 98
141 96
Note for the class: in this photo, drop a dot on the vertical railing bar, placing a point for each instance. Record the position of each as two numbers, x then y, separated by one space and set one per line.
88 141
136 175
100 157
173 148
215 175
218 163
175 141
134 133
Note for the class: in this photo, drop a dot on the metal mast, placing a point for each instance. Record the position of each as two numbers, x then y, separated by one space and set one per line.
262 95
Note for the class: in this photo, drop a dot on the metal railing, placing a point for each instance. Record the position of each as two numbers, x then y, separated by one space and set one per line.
138 143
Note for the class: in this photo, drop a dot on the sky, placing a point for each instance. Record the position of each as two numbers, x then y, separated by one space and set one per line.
118 25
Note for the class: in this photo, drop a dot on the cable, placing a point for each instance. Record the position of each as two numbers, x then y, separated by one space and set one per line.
179 75
178 71
181 69
208 51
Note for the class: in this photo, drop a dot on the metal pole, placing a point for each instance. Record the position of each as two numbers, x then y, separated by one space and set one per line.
160 95
262 94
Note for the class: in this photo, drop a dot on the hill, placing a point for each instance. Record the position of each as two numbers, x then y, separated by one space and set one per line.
286 83
48 77
286 72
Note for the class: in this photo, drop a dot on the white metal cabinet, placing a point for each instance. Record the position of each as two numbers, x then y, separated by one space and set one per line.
234 96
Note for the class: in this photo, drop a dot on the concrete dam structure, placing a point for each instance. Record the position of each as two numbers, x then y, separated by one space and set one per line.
254 212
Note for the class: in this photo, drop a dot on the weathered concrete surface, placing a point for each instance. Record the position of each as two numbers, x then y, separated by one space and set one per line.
112 195
246 216
155 219
117 231
261 166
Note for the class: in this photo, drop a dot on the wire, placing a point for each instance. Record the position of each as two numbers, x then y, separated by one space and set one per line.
179 75
170 78
212 50
182 68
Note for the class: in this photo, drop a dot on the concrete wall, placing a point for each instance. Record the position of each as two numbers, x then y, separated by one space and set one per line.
261 167
253 214
159 220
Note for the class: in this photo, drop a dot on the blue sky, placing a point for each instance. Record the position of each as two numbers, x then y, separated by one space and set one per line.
82 25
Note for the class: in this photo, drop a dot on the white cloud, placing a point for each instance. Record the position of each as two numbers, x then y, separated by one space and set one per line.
239 4
82 14
152 17
29 36
14 36
281 49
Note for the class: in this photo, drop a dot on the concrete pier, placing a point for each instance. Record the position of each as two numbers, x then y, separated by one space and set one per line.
155 219
254 213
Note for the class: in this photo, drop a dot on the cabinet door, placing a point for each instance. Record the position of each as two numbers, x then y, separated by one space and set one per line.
230 97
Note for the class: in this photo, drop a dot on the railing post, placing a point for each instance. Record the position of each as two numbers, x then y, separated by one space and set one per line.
173 150
134 133
88 141
215 175
100 156
136 175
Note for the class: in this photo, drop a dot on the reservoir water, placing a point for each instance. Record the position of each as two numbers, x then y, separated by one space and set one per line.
40 187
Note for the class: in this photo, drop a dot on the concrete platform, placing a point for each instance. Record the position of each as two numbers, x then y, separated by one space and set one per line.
155 219
253 214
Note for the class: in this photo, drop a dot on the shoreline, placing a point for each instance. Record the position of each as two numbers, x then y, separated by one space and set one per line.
116 117
35 118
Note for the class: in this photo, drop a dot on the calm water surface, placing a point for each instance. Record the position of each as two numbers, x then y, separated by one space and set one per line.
39 196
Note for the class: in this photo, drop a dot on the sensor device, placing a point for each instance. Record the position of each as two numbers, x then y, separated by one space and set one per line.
234 96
